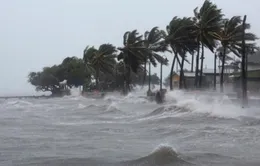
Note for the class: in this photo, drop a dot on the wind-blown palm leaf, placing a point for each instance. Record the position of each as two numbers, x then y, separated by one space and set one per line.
154 42
159 58
104 58
131 51
89 69
100 60
180 35
232 34
88 54
208 20
221 49
182 40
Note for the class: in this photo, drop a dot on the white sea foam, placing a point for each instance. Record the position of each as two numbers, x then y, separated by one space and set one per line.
215 105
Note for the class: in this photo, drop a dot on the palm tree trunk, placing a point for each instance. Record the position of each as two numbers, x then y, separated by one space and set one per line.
180 64
129 60
181 73
97 79
144 78
222 70
129 73
197 66
116 82
201 66
83 88
192 62
124 79
128 79
215 71
171 74
244 66
161 77
149 86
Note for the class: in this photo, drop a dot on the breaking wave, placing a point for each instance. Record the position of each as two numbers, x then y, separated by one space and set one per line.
121 130
163 155
212 105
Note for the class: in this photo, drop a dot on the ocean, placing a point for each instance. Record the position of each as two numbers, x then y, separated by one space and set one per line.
189 129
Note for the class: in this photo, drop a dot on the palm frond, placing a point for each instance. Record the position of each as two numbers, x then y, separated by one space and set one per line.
208 22
181 37
107 49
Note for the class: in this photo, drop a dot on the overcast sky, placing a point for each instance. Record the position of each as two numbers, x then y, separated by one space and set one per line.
38 33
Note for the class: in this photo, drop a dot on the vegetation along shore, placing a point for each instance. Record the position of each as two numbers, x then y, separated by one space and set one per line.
109 68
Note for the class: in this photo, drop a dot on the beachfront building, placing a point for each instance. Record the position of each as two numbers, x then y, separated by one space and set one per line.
189 80
207 79
253 74
253 62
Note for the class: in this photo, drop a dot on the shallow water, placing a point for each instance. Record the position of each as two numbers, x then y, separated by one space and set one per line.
189 129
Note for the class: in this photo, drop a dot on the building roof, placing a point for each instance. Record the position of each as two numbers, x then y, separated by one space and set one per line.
188 74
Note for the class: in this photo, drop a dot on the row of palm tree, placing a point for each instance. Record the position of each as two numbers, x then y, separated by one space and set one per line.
207 29
134 55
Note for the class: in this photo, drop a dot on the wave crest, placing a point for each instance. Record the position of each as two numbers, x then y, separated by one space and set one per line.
163 155
167 109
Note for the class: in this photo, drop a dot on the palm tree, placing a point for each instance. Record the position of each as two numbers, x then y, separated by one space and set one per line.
153 43
161 70
120 74
207 21
215 70
101 60
131 53
192 63
231 37
181 39
244 65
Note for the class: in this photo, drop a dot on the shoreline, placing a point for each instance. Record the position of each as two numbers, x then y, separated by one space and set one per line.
27 97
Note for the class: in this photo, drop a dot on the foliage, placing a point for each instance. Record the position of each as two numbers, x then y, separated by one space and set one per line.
182 41
47 80
208 20
231 37
181 35
131 52
100 60
71 69
74 71
113 70
153 43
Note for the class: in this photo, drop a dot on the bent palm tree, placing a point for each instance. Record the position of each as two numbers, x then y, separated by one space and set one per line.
153 43
181 39
101 60
131 53
207 21
231 37
120 74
